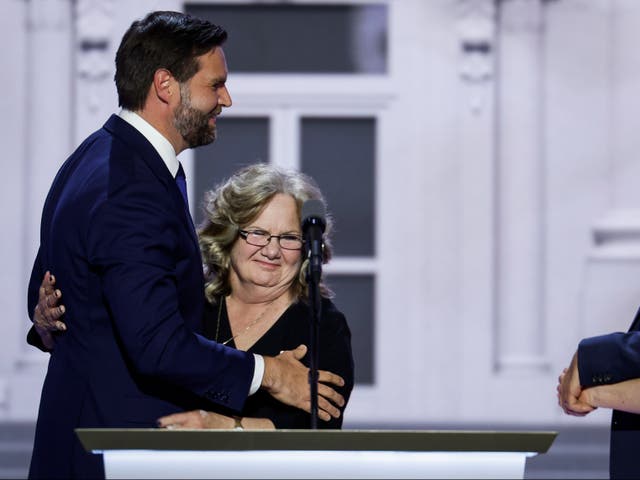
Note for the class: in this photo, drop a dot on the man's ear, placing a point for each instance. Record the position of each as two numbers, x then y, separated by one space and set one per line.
164 85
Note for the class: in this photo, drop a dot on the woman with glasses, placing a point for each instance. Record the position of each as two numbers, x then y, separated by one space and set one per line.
252 248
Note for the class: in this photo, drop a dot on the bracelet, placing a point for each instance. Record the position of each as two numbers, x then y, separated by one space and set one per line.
238 423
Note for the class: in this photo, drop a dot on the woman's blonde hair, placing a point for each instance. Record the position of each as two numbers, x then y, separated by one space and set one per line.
235 203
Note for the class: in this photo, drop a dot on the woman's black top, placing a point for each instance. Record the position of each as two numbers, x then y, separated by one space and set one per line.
289 331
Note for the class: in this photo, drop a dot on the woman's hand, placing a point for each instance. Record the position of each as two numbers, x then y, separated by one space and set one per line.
47 313
199 419
196 419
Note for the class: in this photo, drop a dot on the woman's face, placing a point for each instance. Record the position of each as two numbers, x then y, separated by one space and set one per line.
271 266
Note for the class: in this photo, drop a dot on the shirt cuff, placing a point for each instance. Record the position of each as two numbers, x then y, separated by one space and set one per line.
258 373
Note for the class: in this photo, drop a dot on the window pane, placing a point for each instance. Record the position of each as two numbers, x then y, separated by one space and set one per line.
354 298
240 142
301 38
339 154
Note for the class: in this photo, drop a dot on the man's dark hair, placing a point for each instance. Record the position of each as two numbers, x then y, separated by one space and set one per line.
170 40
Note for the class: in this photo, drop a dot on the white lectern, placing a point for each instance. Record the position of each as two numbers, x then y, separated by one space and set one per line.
302 454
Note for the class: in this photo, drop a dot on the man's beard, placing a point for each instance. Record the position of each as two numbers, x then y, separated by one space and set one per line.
191 123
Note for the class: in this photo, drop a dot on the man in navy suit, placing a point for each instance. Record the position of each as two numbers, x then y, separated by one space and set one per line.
117 232
607 360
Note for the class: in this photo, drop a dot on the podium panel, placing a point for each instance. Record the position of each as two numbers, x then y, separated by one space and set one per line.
151 453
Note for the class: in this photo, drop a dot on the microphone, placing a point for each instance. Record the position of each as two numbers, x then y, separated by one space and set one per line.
313 225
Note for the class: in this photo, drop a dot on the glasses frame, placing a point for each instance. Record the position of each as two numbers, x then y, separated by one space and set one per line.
245 235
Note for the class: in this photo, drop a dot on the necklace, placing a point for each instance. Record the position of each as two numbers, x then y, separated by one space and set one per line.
257 319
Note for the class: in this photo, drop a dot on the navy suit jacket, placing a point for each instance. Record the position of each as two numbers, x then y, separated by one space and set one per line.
608 359
117 235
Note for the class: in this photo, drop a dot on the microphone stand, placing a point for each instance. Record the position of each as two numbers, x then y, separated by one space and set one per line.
313 225
314 272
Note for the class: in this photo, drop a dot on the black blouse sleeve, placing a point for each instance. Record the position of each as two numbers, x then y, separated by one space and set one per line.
335 356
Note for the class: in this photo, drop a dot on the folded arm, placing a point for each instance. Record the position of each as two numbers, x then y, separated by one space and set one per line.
601 361
624 396
610 358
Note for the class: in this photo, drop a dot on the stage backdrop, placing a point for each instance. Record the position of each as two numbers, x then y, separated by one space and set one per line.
479 157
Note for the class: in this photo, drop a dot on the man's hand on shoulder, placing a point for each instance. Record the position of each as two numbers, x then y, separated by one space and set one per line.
287 380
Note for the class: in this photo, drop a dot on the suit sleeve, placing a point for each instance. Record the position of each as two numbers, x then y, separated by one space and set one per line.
610 358
133 243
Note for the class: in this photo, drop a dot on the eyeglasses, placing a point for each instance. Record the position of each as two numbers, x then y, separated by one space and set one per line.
260 238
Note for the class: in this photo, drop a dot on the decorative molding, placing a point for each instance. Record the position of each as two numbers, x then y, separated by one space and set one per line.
616 236
94 23
476 29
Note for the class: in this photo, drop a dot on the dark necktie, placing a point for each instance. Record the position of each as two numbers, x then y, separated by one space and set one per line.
181 180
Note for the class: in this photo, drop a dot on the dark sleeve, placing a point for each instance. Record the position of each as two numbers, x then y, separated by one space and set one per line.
133 246
610 358
37 273
335 356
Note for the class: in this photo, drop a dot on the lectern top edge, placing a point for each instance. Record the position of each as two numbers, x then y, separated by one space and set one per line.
330 440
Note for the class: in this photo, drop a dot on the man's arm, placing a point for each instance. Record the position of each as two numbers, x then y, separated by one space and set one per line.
610 358
48 312
148 269
623 396
601 360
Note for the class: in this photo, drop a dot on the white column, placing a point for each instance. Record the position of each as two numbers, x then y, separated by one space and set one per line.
520 177
49 105
12 214
47 144
475 211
